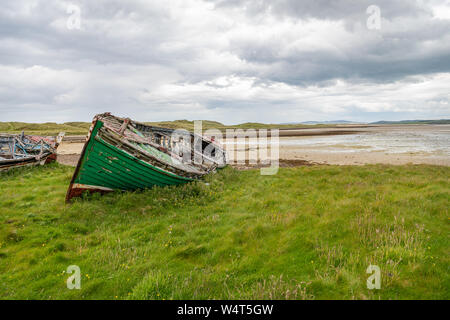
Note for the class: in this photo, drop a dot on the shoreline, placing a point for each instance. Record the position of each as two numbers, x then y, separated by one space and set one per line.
400 145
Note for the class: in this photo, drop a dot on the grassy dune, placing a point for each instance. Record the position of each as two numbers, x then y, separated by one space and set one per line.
82 128
305 233
49 128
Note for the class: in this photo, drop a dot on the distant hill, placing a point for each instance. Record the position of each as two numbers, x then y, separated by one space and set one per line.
331 122
441 121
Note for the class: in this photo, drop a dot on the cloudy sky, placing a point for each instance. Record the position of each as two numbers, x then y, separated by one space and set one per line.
227 60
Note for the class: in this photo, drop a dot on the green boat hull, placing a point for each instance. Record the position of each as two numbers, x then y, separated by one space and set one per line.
105 168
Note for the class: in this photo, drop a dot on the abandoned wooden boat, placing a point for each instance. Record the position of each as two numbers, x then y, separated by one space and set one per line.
19 150
121 154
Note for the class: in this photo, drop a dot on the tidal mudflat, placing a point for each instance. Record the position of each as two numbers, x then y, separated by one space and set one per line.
384 144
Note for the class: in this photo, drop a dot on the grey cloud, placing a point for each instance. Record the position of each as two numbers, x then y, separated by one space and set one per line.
326 9
163 60
411 43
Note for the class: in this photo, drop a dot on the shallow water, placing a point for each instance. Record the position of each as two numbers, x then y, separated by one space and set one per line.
421 139
415 140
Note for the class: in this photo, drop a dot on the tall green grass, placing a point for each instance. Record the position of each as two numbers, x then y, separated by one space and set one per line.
305 233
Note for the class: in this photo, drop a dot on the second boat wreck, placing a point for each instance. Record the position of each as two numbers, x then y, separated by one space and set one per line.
121 154
19 150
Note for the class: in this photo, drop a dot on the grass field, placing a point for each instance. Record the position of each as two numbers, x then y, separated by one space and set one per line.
305 233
